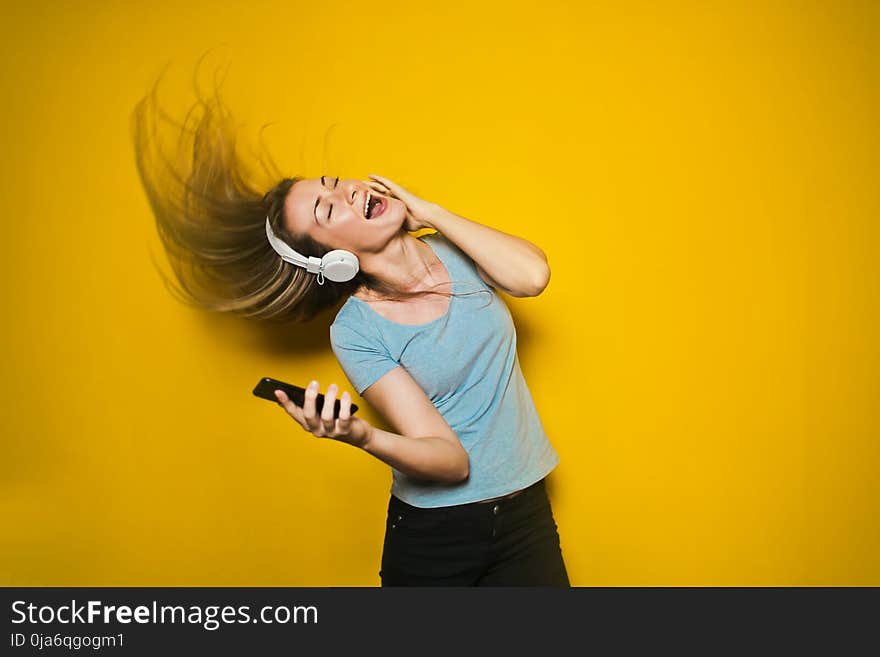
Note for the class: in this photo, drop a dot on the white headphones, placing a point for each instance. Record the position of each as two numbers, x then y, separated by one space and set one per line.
338 265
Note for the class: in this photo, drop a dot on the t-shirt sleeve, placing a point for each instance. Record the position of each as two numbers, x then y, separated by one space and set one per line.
363 360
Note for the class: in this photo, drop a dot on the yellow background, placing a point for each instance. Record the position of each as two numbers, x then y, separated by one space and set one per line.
702 175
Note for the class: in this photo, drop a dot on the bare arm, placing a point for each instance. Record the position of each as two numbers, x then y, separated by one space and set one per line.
507 262
426 447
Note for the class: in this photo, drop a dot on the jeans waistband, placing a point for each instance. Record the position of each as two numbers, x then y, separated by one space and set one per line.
521 495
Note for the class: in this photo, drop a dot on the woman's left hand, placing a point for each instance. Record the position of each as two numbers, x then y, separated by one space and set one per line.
418 211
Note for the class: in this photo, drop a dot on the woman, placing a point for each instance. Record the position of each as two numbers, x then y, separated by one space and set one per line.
421 335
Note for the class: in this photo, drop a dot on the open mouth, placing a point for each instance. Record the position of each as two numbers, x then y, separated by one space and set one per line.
374 206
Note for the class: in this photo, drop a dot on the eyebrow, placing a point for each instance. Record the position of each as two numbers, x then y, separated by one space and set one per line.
318 200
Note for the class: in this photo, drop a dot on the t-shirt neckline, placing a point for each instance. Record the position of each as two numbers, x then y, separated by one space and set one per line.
433 321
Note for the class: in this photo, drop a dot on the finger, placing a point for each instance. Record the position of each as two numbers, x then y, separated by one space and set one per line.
297 414
344 412
385 181
309 406
381 189
329 406
283 400
376 188
292 409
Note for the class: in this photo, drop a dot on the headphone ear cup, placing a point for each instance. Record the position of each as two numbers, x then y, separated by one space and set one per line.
340 265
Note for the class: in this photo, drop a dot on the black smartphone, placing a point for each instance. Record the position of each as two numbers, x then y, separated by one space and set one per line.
267 386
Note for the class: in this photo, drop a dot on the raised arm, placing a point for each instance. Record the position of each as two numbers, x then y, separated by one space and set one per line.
507 262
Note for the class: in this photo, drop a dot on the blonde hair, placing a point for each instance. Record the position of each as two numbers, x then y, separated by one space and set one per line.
211 219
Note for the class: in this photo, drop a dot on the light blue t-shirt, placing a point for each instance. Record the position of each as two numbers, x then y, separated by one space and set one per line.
466 362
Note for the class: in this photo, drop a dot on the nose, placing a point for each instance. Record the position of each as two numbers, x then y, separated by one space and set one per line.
355 196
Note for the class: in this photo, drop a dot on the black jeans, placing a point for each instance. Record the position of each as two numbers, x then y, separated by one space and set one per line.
508 542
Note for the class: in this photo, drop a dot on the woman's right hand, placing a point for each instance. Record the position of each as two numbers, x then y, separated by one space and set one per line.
352 430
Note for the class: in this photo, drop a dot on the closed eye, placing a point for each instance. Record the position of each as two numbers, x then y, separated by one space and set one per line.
335 183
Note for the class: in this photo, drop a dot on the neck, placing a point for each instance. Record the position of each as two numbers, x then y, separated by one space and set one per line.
406 263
